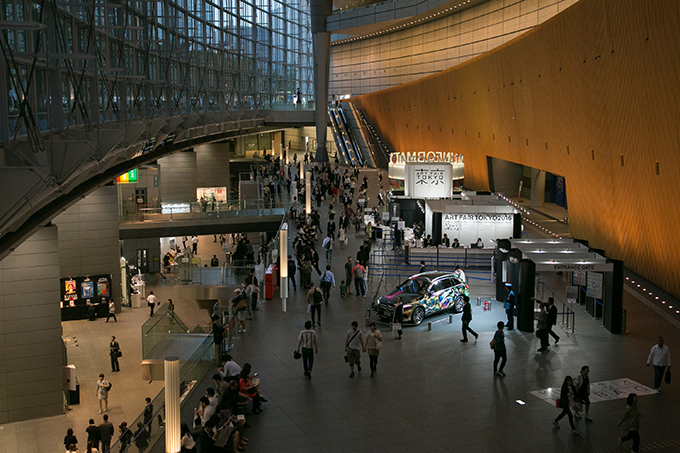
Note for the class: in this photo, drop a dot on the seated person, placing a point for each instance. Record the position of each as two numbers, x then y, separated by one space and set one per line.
445 241
235 401
228 368
253 392
455 244
229 429
480 243
427 242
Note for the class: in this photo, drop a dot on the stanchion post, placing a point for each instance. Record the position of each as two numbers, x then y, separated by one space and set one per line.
173 437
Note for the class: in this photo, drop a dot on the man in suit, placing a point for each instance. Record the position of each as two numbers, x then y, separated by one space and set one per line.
106 431
466 318
93 434
552 319
510 306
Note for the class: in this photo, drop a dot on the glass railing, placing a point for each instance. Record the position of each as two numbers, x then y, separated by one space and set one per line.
194 211
192 371
158 327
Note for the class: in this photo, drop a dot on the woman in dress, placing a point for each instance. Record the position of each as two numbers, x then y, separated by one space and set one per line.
373 347
102 392
567 393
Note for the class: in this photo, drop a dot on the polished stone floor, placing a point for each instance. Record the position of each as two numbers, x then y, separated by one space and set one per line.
431 392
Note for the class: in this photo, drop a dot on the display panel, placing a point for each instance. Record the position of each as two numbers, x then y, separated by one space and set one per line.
78 290
127 178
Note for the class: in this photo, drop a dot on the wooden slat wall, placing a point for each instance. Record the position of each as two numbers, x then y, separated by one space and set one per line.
600 79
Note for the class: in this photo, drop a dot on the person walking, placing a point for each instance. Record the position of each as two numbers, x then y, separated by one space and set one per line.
499 351
582 385
509 305
102 393
114 353
307 341
251 281
194 244
467 318
327 245
327 280
106 431
70 439
354 344
373 346
93 433
398 318
660 357
630 421
358 272
567 393
542 326
552 320
151 301
314 299
292 268
112 311
348 275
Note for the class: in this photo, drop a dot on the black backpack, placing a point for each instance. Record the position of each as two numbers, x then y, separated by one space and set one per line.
318 297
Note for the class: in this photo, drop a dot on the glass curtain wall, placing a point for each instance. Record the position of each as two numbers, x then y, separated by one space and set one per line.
69 63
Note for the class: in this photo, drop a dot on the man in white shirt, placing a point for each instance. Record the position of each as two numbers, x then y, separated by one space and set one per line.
307 341
151 301
230 368
205 410
459 274
660 357
194 245
354 341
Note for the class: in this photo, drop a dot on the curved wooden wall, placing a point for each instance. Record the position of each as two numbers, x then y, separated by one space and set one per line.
593 94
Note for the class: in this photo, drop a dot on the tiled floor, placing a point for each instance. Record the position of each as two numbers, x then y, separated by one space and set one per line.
431 392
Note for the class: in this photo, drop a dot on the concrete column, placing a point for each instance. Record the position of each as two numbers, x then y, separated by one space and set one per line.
173 438
321 42
537 187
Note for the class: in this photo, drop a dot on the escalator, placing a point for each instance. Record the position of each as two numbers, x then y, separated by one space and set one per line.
343 138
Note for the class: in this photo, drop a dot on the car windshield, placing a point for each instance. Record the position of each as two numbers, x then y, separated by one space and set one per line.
411 286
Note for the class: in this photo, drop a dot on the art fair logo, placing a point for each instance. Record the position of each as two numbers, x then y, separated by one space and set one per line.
430 176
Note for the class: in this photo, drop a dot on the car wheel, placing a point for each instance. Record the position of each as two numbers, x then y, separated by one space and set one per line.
417 315
458 304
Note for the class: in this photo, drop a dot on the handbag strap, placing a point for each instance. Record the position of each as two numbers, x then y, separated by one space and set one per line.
353 336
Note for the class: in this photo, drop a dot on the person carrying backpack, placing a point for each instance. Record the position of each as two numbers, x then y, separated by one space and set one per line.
315 298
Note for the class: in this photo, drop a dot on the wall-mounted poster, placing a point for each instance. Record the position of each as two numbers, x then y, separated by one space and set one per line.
579 278
103 287
87 289
595 281
69 287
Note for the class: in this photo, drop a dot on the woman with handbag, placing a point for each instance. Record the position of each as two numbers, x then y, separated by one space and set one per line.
567 393
373 347
102 393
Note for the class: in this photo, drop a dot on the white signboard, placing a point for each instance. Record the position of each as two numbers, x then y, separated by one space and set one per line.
427 180
601 391
468 227
600 266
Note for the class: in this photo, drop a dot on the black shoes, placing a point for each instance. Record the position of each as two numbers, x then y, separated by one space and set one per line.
463 341
359 367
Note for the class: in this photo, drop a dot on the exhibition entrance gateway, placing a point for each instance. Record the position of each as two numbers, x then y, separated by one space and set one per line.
595 279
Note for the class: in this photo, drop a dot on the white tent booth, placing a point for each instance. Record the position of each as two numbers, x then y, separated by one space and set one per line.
471 216
598 278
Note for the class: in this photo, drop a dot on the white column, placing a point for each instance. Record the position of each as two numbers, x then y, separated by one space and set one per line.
283 260
173 438
308 192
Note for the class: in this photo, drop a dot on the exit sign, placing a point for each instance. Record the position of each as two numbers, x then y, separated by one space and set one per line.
127 178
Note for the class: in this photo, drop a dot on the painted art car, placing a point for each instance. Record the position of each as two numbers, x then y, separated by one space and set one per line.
424 294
